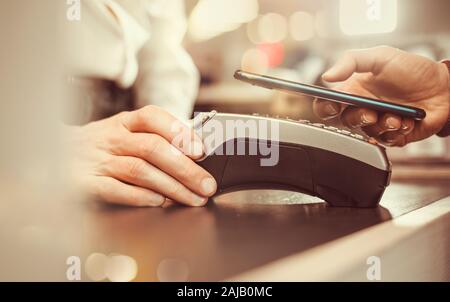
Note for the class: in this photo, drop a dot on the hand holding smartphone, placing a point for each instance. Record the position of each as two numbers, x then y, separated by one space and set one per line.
331 95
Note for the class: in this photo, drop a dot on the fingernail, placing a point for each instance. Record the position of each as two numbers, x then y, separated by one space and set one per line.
405 127
197 148
365 119
330 110
373 141
209 186
390 140
157 200
199 200
390 123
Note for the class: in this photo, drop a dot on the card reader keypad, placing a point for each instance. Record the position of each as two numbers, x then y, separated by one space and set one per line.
322 126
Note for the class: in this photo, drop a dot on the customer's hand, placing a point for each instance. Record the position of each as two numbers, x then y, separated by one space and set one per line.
140 158
392 75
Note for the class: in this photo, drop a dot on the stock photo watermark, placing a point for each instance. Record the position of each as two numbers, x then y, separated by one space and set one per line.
240 137
73 11
373 272
100 267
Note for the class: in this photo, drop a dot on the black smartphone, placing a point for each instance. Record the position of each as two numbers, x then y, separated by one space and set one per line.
329 94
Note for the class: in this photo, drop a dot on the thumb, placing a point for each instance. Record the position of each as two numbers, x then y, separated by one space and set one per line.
362 60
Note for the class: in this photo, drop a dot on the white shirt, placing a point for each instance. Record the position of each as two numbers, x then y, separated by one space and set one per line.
136 43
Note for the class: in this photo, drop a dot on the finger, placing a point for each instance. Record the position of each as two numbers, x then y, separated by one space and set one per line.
168 203
157 151
393 138
326 109
114 191
140 173
152 119
363 60
407 126
390 122
387 122
354 117
373 130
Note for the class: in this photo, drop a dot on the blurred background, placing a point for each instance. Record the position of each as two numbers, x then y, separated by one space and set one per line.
42 222
39 223
298 40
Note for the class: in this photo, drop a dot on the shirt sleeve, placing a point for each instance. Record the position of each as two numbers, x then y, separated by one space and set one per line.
445 131
167 75
105 43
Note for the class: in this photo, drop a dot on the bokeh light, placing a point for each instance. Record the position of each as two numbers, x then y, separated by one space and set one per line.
255 60
358 17
121 268
272 28
301 25
114 267
95 266
274 53
253 31
322 24
210 18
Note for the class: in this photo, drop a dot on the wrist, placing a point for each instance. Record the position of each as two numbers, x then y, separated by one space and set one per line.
445 131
